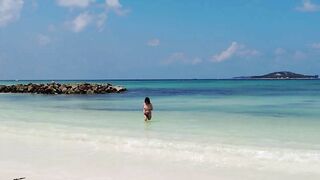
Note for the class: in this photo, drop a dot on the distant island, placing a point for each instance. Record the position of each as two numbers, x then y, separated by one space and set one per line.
280 75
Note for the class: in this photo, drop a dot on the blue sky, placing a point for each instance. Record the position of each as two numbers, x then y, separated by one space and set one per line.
114 39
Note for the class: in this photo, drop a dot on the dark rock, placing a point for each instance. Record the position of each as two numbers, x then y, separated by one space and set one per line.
2 88
56 88
90 91
30 88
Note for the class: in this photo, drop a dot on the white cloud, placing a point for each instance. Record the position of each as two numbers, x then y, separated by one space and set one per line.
196 60
308 6
75 3
96 16
176 57
235 49
283 54
180 57
228 53
86 19
280 51
80 22
43 39
315 46
153 42
9 11
299 55
246 53
116 6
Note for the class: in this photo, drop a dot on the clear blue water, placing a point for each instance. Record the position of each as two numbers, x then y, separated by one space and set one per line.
260 126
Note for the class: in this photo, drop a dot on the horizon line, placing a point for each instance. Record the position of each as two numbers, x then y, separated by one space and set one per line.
157 79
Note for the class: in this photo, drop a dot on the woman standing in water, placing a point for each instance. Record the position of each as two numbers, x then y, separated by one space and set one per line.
147 108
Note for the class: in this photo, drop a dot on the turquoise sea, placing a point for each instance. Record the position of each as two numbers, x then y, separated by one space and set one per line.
201 129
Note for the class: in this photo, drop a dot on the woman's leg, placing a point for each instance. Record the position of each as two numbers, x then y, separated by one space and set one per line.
145 116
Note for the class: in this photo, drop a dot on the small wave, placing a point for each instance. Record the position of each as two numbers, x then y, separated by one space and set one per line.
209 154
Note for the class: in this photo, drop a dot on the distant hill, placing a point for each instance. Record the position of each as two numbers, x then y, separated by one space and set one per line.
281 75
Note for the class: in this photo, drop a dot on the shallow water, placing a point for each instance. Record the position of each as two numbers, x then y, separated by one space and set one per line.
201 129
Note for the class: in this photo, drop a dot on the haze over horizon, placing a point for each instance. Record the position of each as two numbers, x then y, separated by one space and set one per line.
125 39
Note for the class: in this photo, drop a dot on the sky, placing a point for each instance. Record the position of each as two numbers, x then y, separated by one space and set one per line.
164 39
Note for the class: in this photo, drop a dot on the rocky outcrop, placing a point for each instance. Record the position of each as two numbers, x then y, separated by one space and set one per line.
57 88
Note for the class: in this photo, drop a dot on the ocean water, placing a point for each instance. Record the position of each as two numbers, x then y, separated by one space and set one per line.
201 129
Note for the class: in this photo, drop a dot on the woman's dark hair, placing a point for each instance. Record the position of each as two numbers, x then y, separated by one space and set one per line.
147 100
